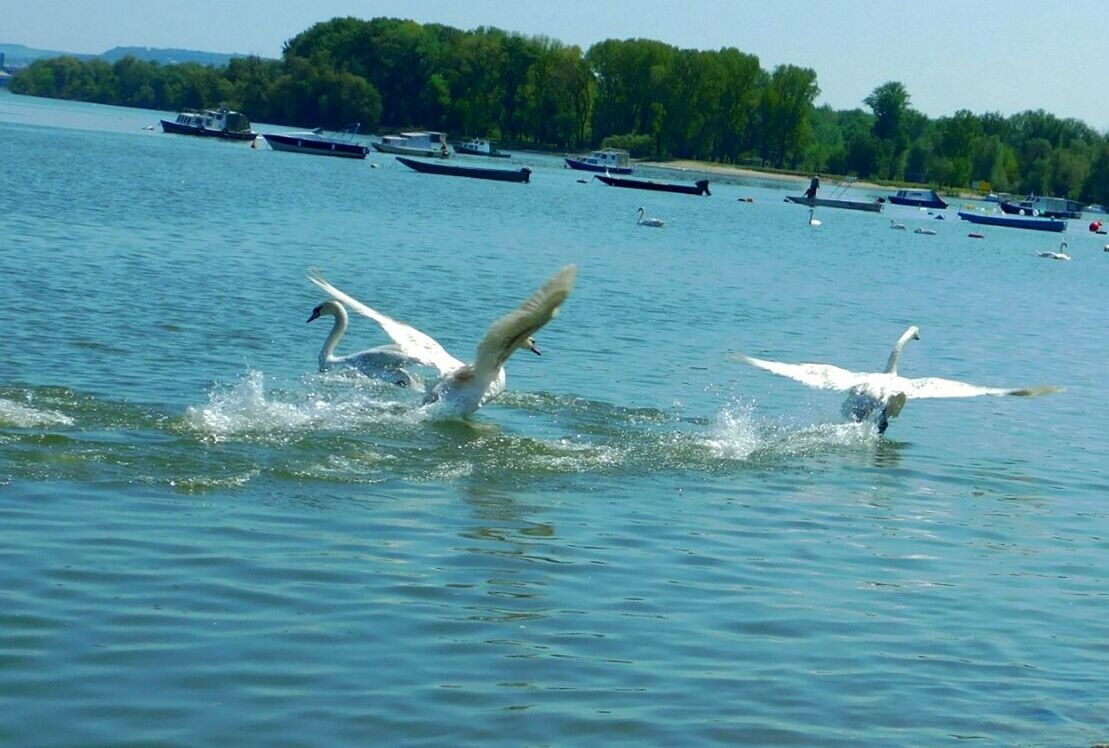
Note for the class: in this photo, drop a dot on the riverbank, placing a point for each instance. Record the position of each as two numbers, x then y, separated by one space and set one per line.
739 172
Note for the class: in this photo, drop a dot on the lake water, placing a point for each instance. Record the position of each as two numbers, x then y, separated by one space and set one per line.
203 541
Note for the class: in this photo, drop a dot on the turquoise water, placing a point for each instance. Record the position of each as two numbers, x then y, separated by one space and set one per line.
643 542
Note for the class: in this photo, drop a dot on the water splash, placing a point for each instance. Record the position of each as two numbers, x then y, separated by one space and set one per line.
738 434
24 416
245 407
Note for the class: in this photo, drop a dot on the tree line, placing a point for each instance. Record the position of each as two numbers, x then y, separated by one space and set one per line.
647 96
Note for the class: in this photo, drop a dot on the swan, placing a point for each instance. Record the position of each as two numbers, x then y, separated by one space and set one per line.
383 362
463 388
656 223
813 221
926 232
895 225
1060 255
885 392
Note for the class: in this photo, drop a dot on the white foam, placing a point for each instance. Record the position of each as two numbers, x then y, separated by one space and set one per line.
24 416
734 433
245 407
737 434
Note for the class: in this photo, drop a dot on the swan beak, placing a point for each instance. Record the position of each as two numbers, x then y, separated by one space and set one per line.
315 314
534 348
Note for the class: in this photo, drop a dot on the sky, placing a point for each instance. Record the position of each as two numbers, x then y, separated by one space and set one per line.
1002 56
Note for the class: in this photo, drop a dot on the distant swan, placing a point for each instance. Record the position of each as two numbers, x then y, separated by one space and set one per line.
1060 255
813 221
656 223
883 392
895 225
383 362
926 232
463 388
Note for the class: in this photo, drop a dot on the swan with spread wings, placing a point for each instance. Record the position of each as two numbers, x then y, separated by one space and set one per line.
883 394
463 388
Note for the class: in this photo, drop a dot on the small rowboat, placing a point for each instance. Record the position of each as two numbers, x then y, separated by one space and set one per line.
700 187
473 172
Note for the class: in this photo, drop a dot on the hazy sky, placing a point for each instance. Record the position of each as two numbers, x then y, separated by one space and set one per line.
982 55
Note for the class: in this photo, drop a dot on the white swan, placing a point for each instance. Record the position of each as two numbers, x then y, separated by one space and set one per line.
656 223
895 225
463 388
926 232
383 362
813 221
883 392
1060 255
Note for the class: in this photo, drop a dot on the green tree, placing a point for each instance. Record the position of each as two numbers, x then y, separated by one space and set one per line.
786 104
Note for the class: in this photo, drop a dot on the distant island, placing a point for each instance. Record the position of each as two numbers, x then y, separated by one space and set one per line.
647 97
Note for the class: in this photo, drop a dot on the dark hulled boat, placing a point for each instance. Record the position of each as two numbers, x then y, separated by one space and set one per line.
700 187
1014 222
316 142
211 123
918 199
473 172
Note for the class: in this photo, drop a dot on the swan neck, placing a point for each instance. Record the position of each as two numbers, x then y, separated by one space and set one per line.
338 329
895 354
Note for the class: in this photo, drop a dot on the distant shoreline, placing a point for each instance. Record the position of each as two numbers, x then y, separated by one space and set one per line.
708 167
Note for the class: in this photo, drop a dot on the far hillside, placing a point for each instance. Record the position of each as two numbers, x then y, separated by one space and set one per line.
18 55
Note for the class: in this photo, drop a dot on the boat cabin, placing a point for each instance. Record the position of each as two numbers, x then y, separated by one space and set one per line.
425 140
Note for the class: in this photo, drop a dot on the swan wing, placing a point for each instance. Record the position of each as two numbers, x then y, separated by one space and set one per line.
821 376
927 387
512 330
412 343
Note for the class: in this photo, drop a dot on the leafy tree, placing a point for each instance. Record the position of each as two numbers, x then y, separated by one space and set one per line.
787 102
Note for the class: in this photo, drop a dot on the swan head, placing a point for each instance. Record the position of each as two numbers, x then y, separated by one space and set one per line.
913 333
328 308
532 346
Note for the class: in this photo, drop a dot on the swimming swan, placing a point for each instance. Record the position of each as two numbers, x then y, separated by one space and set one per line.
656 223
383 362
463 388
883 392
813 221
898 226
1060 255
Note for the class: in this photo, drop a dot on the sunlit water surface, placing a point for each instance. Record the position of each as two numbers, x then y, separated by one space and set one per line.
206 542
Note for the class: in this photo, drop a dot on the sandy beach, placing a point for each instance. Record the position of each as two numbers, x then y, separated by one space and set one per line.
740 172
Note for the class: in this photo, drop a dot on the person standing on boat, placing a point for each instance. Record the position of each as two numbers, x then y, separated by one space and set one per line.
814 185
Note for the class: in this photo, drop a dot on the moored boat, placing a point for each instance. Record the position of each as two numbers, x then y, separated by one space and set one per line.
826 202
480 147
1048 207
918 199
341 144
1031 223
473 172
211 123
426 144
700 187
608 160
